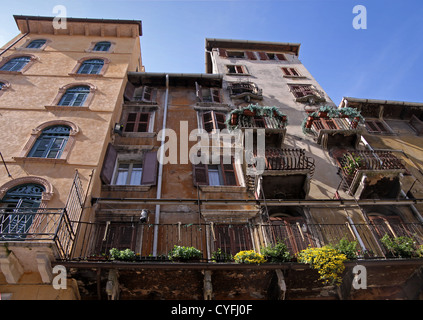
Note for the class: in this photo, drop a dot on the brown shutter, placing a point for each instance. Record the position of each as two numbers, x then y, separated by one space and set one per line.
108 164
198 91
215 95
208 121
286 71
229 175
263 56
199 175
222 53
251 55
281 56
129 91
220 120
149 168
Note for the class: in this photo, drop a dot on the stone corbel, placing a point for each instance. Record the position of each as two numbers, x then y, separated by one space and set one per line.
10 266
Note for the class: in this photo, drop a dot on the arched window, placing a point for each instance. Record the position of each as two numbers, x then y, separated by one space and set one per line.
102 46
51 143
17 207
2 84
75 96
36 44
92 66
16 64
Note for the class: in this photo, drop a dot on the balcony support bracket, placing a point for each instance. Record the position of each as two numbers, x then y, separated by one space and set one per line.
10 266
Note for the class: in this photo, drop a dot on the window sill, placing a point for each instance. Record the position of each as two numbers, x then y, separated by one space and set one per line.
44 160
86 75
138 134
225 189
294 77
10 72
126 188
66 108
237 74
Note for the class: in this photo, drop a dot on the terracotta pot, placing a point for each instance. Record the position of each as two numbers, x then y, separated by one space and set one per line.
234 119
249 113
309 122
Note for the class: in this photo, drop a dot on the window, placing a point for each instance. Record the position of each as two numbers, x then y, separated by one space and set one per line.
16 64
92 66
213 121
271 56
121 168
102 46
305 92
235 54
137 122
2 85
290 72
18 206
215 175
36 44
144 94
75 96
376 126
207 94
128 173
237 69
51 143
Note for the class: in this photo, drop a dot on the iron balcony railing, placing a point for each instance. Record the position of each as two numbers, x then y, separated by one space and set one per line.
38 225
97 239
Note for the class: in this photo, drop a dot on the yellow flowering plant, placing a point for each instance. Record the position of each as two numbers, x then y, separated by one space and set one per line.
328 261
249 256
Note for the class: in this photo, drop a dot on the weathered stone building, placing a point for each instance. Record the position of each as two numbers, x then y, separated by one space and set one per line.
279 162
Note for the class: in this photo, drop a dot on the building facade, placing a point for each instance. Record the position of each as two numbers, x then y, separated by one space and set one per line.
248 154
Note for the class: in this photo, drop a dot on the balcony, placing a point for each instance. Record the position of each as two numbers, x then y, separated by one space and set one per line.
334 127
286 175
245 90
370 174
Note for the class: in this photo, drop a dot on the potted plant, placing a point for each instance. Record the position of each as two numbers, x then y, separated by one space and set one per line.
124 255
184 254
276 253
249 257
221 256
403 247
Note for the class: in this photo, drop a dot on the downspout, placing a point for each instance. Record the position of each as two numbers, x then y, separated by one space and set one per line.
15 42
160 175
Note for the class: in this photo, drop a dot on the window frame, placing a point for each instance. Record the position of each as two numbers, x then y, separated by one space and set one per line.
377 126
222 171
25 67
213 120
62 91
94 43
238 68
137 122
130 171
80 62
78 95
51 139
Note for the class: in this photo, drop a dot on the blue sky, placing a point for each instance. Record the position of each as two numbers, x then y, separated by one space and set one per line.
383 61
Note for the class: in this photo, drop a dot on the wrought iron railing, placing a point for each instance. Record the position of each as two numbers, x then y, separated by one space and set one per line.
98 238
38 225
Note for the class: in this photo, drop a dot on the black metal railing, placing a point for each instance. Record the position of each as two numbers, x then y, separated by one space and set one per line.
97 239
38 225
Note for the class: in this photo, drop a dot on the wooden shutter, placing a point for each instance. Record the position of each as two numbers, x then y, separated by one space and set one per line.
198 91
149 168
251 55
223 53
129 91
281 56
375 126
220 120
215 95
229 175
263 56
108 164
199 175
119 236
208 121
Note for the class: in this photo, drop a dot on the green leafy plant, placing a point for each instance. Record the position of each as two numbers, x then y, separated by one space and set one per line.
351 163
346 247
249 257
180 253
125 255
221 256
276 253
419 251
328 261
403 247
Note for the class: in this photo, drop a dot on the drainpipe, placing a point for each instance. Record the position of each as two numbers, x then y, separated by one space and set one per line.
160 175
15 42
